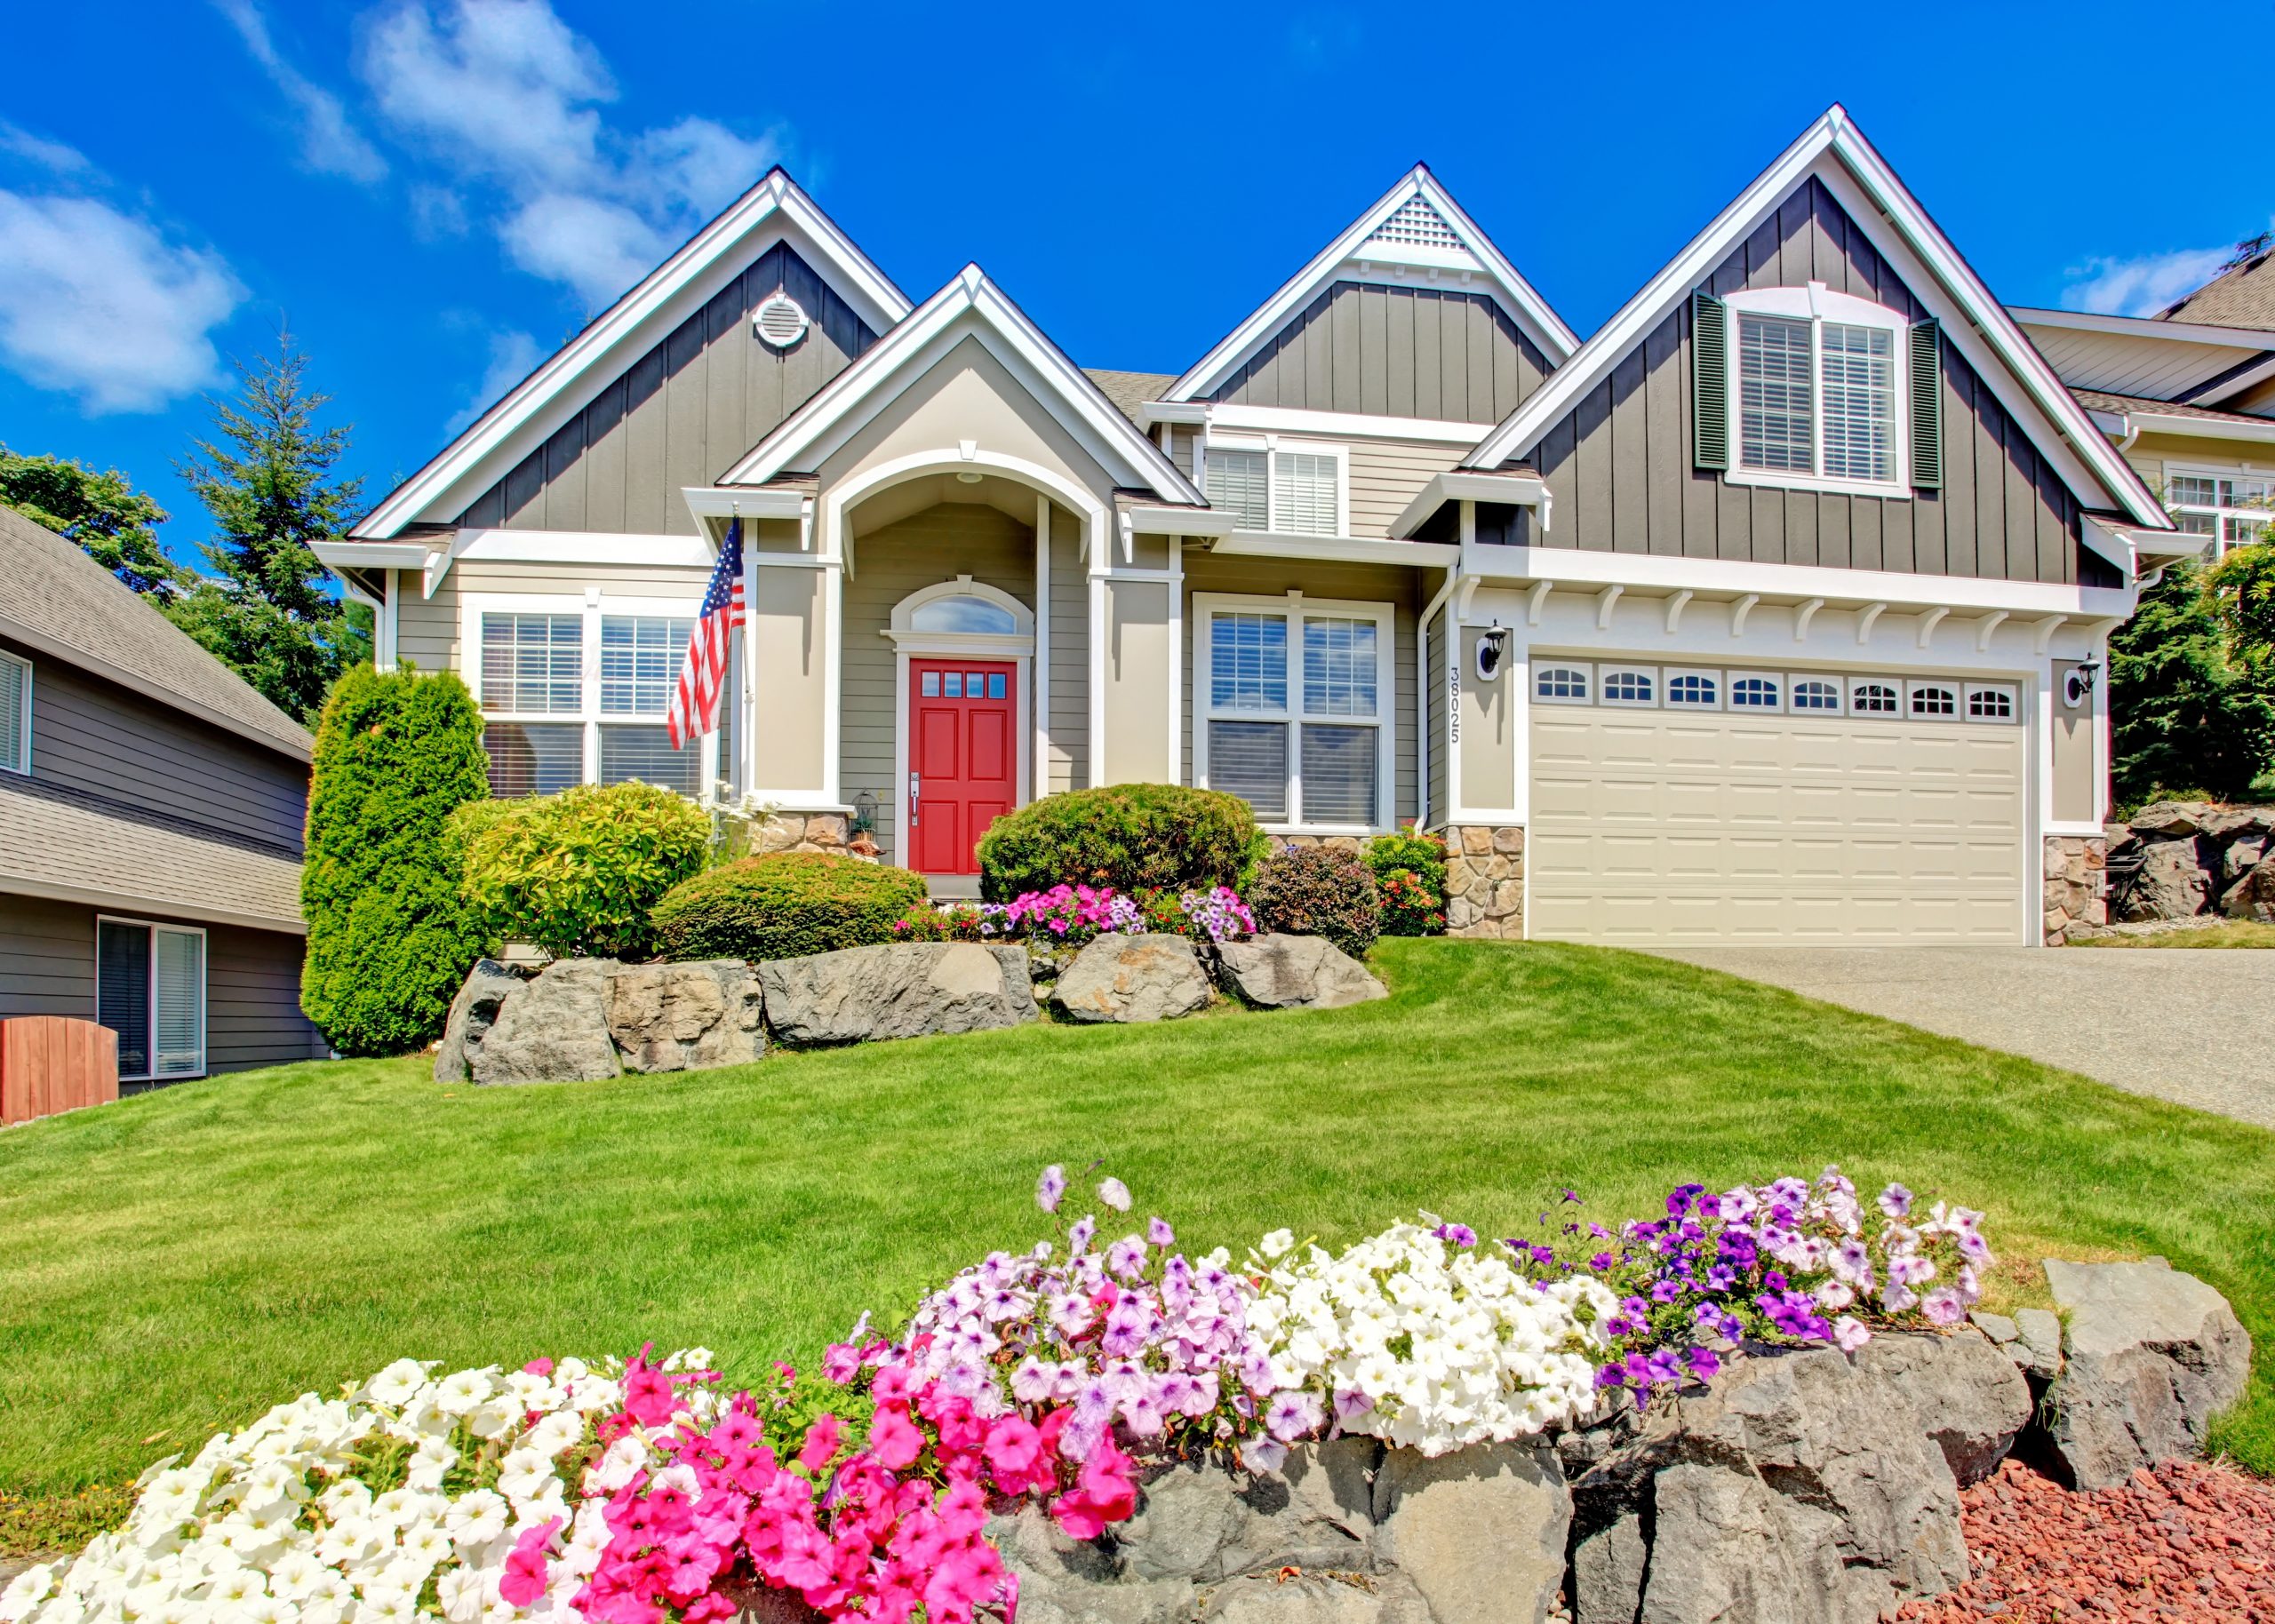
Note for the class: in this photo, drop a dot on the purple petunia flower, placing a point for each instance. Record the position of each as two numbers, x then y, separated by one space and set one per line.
1701 1363
1160 1234
1291 1416
1895 1201
1050 1187
1459 1234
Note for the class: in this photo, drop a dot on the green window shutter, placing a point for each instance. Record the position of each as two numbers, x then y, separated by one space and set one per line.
1926 406
1709 382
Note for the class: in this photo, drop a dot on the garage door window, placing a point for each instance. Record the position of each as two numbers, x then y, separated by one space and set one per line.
1750 692
1775 692
1629 685
1988 702
1931 701
1873 699
1297 720
1816 694
1694 688
1561 684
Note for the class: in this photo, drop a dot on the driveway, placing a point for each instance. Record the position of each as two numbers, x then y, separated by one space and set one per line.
2195 1025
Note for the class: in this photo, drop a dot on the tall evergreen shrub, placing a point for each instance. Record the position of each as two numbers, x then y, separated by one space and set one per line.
390 939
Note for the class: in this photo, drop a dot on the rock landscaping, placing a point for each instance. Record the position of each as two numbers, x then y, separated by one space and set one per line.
1146 977
1282 972
907 990
2180 860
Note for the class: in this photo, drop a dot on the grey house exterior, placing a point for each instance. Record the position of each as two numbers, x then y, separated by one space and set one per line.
1771 632
151 808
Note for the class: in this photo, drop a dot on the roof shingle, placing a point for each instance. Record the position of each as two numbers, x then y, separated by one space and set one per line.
65 843
1130 390
2101 400
2242 297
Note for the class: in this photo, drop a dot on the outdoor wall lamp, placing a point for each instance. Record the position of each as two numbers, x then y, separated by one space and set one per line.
2079 683
1492 648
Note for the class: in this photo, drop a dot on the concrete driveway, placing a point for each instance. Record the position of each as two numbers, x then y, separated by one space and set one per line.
2196 1025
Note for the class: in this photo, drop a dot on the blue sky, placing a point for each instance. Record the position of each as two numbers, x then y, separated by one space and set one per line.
435 193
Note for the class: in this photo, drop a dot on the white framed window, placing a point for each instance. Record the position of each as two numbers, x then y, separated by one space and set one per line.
1990 702
15 715
1815 696
1875 697
1630 685
1757 691
150 989
1694 690
1817 391
2230 507
1562 682
1286 487
575 691
1296 698
1936 699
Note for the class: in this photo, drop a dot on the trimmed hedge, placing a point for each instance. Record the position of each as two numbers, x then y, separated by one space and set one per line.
390 939
578 871
1134 837
1315 891
785 905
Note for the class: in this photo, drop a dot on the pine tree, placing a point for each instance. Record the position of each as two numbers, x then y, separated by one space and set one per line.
267 478
101 510
2187 715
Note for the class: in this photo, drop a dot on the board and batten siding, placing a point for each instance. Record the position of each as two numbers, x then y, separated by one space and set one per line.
96 736
1394 352
681 414
1620 462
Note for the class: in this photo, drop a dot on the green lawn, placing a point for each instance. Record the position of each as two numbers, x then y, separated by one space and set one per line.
175 1262
2239 933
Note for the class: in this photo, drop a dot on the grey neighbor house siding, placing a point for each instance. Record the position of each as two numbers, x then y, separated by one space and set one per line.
1394 352
681 414
1620 462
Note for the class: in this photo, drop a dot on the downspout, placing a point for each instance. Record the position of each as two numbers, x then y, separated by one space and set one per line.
382 616
1455 577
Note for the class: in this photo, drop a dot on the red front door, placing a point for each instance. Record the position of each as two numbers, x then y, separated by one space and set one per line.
962 759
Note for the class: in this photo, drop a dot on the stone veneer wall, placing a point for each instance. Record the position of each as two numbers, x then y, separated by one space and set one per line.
1485 880
801 831
2075 866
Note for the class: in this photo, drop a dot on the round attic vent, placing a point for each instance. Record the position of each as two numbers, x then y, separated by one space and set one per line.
779 322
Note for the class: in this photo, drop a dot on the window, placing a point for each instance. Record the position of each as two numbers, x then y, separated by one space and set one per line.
964 612
1987 702
1561 684
1629 685
579 696
1295 709
1933 701
1286 492
1819 389
1816 694
15 715
150 989
1754 691
1872 698
2231 508
1699 689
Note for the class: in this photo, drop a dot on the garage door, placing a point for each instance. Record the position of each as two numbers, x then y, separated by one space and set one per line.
1684 804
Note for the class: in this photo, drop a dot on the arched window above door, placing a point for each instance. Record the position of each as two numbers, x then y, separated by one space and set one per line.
964 612
961 616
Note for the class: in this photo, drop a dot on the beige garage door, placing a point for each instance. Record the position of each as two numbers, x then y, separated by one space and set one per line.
1659 824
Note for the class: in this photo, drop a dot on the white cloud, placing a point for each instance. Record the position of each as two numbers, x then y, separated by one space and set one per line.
512 356
505 97
2144 285
96 303
329 143
40 151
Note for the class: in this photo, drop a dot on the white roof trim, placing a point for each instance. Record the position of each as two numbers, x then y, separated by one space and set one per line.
1833 133
836 408
2146 327
1340 549
776 207
1468 485
1512 291
1146 519
2182 426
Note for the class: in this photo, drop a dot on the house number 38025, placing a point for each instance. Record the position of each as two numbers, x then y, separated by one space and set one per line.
1453 702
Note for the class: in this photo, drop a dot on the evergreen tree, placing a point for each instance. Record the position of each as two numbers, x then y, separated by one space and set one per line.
2187 713
101 511
268 479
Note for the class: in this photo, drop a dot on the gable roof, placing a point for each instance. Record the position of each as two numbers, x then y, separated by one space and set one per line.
2083 455
1118 443
1416 224
1130 391
2241 296
2147 356
774 209
56 600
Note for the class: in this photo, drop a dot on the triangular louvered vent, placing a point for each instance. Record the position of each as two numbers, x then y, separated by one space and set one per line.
1415 224
779 322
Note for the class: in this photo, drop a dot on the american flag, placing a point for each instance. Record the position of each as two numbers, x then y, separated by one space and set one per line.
703 674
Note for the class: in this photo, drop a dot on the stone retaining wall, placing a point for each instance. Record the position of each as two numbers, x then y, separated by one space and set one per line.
2075 864
1485 880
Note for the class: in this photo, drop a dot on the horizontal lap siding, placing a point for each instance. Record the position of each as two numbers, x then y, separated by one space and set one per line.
427 629
47 957
681 414
1070 655
1620 464
1386 474
1394 352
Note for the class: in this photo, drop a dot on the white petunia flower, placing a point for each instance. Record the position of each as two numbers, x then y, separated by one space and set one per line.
398 1384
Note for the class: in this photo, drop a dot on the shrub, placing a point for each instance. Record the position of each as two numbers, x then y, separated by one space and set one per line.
1410 868
1315 891
390 939
785 906
576 873
1133 837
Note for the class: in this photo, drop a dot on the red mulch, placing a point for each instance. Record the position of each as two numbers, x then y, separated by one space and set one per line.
2183 1544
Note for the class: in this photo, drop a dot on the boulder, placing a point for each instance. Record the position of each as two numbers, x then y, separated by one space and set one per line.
1480 1532
553 1030
903 990
2172 884
2240 858
473 1012
1149 977
2171 818
1728 1547
685 1017
2149 1356
1970 1397
1285 972
2253 897
2245 821
1608 1570
2038 1343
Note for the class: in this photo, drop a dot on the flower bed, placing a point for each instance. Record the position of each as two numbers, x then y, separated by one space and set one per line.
639 1491
1069 916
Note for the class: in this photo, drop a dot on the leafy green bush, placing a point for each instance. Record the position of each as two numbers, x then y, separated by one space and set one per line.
390 939
1315 891
785 906
2190 704
577 872
1133 837
1410 868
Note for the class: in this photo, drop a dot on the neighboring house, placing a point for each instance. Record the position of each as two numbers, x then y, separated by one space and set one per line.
2188 396
1770 612
151 808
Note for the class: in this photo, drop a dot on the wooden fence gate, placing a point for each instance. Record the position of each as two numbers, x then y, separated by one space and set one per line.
50 1064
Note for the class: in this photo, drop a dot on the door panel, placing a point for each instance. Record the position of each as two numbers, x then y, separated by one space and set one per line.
964 755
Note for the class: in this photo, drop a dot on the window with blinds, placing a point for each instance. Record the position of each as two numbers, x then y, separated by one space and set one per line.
1294 713
532 664
1238 483
1306 493
1776 421
15 715
1821 391
580 697
2233 509
1859 370
150 989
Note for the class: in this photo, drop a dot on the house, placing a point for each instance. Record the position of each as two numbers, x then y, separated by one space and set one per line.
151 808
1773 611
2188 394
